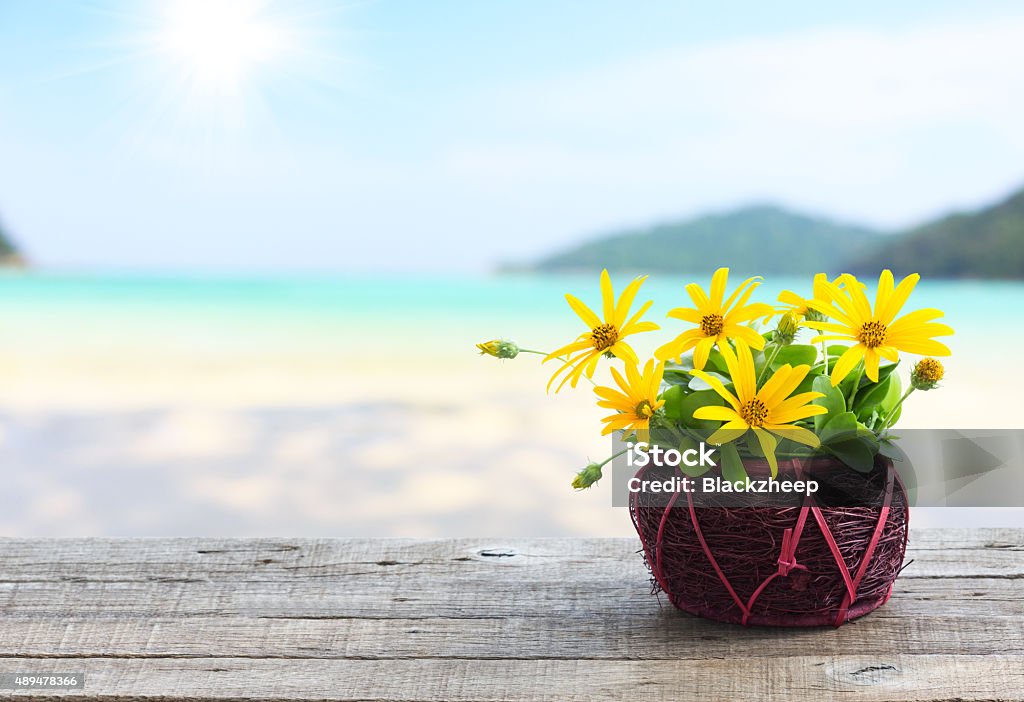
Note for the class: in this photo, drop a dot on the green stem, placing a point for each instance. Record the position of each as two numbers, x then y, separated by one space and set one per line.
856 386
824 355
544 353
896 407
667 424
611 458
767 364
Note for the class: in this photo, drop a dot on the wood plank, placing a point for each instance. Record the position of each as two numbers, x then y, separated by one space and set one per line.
671 636
856 678
126 568
441 597
268 558
483 619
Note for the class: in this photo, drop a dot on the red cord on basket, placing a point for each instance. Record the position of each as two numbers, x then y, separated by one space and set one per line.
787 553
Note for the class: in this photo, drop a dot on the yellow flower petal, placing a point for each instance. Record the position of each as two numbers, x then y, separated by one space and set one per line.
871 365
624 351
718 387
701 352
744 379
914 319
698 297
607 297
768 392
745 288
745 334
730 431
925 347
687 314
584 312
768 444
846 363
857 296
898 299
626 301
779 416
886 286
718 282
724 414
798 434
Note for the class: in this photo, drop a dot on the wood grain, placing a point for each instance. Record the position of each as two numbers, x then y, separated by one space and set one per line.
474 619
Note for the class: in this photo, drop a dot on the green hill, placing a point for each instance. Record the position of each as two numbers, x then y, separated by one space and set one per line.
762 239
9 254
987 243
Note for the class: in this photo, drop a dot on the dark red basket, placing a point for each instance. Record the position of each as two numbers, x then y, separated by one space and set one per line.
808 565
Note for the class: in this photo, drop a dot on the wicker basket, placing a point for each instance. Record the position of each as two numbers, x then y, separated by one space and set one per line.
807 565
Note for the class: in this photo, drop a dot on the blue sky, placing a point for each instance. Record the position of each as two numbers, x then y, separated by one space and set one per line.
402 135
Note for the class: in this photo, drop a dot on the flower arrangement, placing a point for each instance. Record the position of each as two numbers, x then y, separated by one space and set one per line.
808 382
756 394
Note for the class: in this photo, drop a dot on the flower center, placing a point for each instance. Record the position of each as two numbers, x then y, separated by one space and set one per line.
711 324
604 336
872 334
643 410
929 370
754 413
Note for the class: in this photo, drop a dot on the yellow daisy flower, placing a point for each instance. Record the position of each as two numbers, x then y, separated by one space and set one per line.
877 333
717 321
605 336
797 304
767 412
637 401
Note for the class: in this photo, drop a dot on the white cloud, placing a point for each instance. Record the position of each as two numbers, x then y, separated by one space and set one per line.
885 126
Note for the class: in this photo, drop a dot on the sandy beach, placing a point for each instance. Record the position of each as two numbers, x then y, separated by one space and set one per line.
172 425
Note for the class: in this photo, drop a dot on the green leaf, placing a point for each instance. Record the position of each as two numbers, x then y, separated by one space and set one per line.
871 397
840 427
716 362
891 450
833 401
673 397
855 453
685 362
795 355
692 471
732 464
891 399
846 384
849 441
677 376
753 445
692 402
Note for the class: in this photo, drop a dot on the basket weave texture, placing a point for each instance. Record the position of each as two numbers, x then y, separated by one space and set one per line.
808 565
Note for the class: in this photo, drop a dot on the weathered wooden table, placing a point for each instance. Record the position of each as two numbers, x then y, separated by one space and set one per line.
475 619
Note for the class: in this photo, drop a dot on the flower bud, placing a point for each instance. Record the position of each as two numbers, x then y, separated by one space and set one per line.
926 374
813 315
587 477
499 348
786 329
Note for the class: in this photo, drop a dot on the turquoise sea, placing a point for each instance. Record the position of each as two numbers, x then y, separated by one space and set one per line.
136 404
371 312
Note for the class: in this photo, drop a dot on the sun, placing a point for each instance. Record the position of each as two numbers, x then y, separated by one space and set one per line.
219 45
